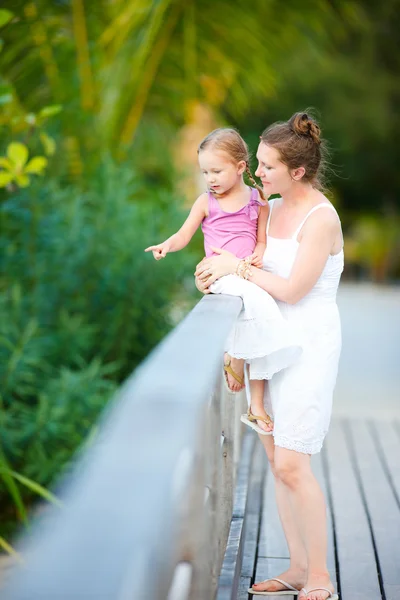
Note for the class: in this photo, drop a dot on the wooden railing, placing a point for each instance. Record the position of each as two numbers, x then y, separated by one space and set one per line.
148 507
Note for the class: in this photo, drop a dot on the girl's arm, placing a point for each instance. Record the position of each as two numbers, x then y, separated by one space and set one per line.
316 244
181 238
262 225
257 256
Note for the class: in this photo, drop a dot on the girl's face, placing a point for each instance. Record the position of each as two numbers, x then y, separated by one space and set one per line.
274 174
220 172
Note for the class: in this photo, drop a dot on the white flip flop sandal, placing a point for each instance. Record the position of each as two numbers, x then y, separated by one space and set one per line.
290 591
251 420
330 597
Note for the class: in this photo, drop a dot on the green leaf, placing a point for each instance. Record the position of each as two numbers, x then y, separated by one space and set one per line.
5 16
1 44
50 111
49 144
5 163
33 486
9 549
5 178
13 488
36 165
18 154
22 180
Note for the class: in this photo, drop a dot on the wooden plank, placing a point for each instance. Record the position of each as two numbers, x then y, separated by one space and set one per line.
318 469
231 568
387 443
357 566
253 513
244 585
272 539
381 504
230 572
269 567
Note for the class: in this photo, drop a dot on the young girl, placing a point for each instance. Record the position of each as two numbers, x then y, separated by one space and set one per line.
234 218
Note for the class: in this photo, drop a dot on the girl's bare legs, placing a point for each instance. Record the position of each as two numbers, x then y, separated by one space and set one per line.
257 402
237 365
296 574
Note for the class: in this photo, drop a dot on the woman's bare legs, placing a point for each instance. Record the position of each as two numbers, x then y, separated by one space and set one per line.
257 402
293 470
296 574
302 511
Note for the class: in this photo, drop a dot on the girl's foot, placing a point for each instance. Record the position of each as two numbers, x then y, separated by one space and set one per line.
295 577
260 412
315 581
237 366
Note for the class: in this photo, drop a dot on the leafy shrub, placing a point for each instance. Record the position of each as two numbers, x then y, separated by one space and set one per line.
80 305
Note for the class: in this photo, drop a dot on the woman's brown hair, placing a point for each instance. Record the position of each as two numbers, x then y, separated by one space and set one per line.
299 144
230 141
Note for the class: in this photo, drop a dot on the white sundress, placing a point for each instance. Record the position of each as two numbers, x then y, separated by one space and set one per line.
260 334
299 398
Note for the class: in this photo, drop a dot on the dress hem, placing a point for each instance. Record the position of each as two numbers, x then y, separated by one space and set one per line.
298 446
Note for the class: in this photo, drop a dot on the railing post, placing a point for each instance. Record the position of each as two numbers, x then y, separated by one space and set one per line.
227 475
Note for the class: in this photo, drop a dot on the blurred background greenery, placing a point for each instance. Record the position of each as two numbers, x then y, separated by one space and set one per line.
102 105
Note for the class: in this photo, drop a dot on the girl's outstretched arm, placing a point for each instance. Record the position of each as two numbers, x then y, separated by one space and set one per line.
181 238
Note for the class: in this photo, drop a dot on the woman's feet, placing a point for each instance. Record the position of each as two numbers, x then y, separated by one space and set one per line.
315 582
294 577
234 372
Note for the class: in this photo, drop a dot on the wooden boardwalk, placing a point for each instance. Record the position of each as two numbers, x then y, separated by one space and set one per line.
359 470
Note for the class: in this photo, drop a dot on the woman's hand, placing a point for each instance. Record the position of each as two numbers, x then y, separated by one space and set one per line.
201 286
212 268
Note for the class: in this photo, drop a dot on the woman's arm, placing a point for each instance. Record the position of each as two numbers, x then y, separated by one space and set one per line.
318 237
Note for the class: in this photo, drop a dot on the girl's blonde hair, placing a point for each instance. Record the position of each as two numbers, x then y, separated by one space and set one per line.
229 141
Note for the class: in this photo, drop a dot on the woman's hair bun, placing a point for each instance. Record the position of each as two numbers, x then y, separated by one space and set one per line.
303 124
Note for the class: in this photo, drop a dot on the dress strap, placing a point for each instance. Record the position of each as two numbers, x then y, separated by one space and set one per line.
213 206
271 206
321 205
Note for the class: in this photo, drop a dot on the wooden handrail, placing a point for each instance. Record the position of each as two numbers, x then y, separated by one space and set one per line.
136 521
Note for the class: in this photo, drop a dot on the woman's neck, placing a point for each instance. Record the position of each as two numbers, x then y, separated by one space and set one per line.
299 194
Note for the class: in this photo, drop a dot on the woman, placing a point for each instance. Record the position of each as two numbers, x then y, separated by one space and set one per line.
303 262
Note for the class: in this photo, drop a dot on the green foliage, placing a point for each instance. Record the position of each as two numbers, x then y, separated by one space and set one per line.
81 305
374 243
16 168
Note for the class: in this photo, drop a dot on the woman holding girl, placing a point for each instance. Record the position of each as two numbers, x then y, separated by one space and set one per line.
233 216
302 265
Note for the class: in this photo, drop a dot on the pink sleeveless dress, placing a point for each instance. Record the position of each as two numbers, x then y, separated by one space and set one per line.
235 232
260 335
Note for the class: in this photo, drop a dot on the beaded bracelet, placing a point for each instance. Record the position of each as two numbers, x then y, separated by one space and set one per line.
243 269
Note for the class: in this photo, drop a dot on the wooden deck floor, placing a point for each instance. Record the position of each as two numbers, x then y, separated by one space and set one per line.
359 470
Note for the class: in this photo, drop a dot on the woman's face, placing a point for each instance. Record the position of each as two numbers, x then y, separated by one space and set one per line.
274 174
